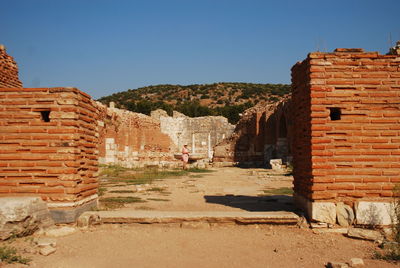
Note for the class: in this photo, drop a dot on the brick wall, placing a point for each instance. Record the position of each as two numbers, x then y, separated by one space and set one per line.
8 71
260 135
346 108
48 145
132 139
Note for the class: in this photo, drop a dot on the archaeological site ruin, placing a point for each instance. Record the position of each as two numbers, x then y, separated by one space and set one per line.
340 129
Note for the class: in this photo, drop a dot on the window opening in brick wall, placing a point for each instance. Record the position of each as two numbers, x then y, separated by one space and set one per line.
45 116
335 114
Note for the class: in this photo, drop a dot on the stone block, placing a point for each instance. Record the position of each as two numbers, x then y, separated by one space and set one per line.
356 262
21 216
323 212
47 250
375 213
68 215
365 234
276 164
345 214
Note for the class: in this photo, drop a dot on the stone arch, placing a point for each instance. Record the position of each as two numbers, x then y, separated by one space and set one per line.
282 127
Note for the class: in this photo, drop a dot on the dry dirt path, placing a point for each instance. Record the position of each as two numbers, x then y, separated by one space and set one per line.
226 189
224 246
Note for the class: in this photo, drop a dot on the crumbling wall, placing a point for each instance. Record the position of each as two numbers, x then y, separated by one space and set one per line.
263 133
346 147
201 134
48 147
8 71
132 139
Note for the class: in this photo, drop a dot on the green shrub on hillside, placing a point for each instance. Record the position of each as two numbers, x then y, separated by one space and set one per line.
186 99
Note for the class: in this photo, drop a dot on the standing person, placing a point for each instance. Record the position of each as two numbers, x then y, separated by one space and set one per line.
185 156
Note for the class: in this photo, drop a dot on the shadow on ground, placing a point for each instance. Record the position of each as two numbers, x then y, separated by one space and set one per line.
254 203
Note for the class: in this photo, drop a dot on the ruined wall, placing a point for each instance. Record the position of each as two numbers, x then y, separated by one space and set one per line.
48 147
346 108
8 71
132 139
261 134
201 134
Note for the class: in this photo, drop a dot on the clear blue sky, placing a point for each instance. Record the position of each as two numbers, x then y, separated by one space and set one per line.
105 46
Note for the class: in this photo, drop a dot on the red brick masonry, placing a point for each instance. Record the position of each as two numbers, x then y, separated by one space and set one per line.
346 142
48 144
8 70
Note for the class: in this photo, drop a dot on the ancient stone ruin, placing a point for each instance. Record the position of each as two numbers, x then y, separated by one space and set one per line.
132 139
262 134
201 134
136 140
340 129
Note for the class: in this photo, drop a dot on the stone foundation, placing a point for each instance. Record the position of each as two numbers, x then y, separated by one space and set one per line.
73 211
366 213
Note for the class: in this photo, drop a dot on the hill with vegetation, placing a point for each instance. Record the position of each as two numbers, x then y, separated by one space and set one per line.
226 99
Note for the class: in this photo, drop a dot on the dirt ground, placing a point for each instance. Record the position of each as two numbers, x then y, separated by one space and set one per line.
224 189
223 246
204 246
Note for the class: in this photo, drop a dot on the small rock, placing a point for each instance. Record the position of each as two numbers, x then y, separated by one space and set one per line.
319 225
365 234
30 250
302 223
276 164
88 219
61 231
47 250
337 265
356 262
45 241
195 225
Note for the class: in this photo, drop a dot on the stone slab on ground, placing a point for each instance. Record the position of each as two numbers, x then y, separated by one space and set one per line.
47 250
151 217
366 234
356 262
